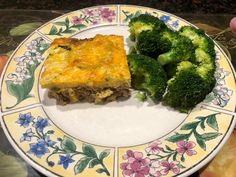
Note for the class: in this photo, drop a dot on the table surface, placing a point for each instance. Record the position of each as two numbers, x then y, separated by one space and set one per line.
11 34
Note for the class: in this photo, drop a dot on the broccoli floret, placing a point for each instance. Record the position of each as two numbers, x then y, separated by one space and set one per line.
181 49
151 43
204 52
144 22
147 75
187 88
199 39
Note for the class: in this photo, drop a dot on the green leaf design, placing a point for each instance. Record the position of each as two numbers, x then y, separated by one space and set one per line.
68 144
104 154
81 165
178 137
53 30
211 121
67 22
89 150
24 29
15 90
93 163
79 26
175 156
69 31
181 166
202 125
168 148
182 158
210 136
189 126
200 141
101 170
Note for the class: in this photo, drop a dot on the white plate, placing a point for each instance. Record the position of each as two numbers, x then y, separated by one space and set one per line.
125 138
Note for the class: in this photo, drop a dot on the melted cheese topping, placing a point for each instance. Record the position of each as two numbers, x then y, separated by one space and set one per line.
99 62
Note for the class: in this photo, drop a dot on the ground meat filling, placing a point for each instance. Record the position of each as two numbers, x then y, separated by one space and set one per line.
78 94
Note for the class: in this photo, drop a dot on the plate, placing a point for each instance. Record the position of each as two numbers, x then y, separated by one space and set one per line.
126 138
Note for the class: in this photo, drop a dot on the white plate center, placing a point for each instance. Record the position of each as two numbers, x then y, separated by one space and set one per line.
124 123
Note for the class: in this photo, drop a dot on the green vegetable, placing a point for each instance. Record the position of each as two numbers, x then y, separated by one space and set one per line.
152 44
187 56
181 48
144 22
147 75
187 88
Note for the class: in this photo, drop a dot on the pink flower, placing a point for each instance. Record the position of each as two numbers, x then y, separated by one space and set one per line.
169 166
88 12
76 20
155 169
106 14
154 148
137 166
186 147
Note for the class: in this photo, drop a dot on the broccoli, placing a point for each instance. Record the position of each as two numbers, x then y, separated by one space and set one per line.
187 57
144 22
181 49
147 75
151 43
204 52
199 39
187 88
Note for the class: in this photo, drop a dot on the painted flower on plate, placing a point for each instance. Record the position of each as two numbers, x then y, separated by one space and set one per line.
137 165
76 20
154 148
175 23
155 169
106 14
25 119
165 18
169 166
27 135
65 160
41 123
49 142
39 149
186 147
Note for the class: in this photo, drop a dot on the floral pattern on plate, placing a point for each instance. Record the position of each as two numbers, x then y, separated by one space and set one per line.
80 20
221 94
20 83
42 142
20 79
169 20
173 154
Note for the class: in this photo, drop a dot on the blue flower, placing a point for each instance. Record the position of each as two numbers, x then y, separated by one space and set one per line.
49 142
175 23
65 160
39 149
27 135
165 18
25 119
41 123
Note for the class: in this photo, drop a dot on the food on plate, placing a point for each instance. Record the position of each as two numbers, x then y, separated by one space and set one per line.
187 56
94 70
147 75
